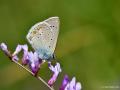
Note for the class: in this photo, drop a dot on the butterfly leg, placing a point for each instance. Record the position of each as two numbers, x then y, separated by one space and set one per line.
54 57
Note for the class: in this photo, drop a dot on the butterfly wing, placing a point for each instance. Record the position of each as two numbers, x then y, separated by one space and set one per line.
54 25
43 39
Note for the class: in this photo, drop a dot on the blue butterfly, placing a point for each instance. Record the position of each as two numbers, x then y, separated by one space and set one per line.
43 37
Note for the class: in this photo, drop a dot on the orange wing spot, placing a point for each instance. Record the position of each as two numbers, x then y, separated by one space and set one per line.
39 28
34 32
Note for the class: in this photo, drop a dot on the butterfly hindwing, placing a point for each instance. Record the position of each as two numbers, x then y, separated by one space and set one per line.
54 25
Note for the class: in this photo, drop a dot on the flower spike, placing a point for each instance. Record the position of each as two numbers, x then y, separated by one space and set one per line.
64 82
34 62
70 85
56 70
4 48
25 60
32 59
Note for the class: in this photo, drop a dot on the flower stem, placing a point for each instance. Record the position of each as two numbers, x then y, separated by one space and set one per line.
38 77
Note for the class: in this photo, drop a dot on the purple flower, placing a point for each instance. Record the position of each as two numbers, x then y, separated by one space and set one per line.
25 55
34 62
15 58
56 70
65 82
28 57
70 85
17 50
4 48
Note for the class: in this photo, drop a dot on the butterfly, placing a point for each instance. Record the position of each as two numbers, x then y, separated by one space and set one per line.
43 37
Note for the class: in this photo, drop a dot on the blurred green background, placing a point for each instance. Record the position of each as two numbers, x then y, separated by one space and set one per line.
88 44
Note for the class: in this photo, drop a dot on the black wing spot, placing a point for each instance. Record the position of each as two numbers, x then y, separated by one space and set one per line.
51 38
30 38
49 46
52 26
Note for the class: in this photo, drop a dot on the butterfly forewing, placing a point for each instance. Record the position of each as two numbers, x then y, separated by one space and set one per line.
43 37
